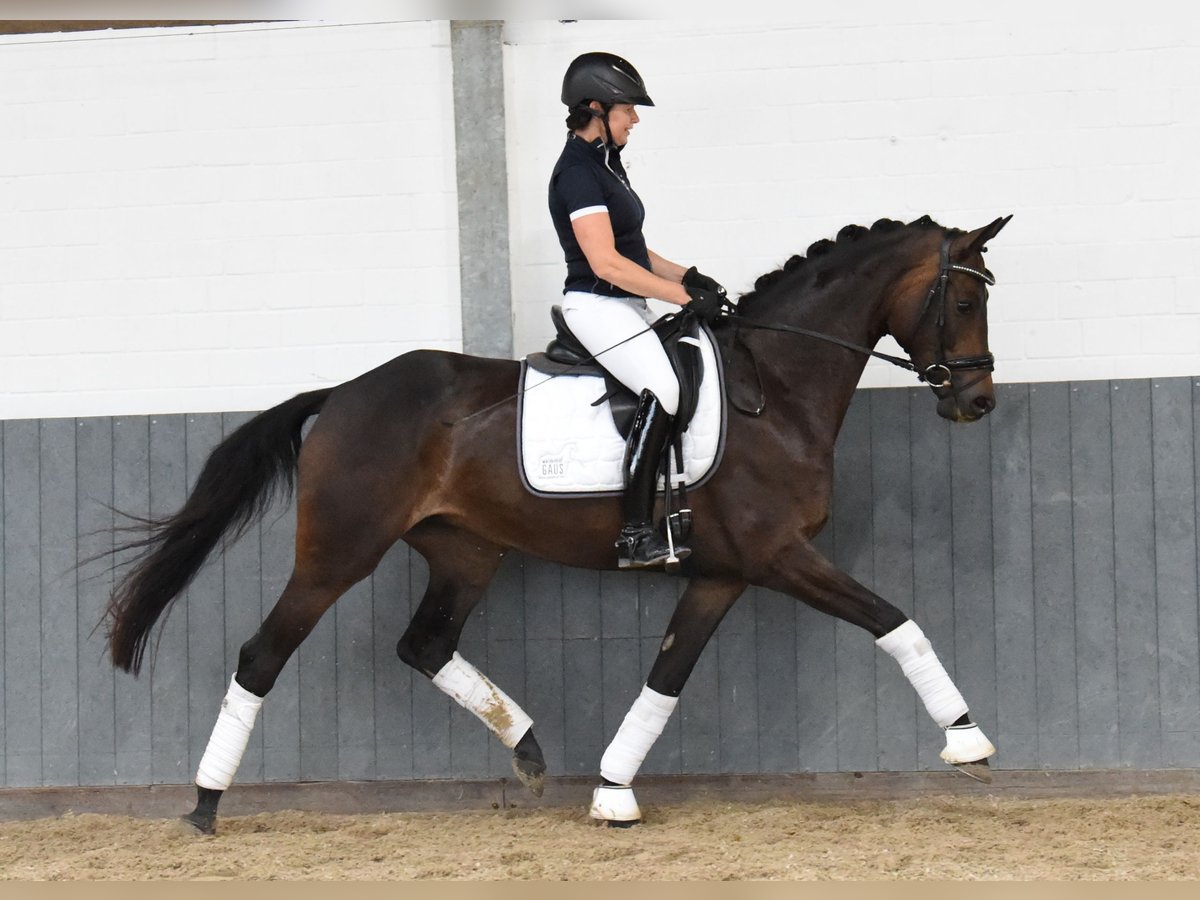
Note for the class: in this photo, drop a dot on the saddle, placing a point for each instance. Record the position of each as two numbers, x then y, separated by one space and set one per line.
566 356
679 334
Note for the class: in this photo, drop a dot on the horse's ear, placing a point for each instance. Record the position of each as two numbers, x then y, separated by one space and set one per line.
976 239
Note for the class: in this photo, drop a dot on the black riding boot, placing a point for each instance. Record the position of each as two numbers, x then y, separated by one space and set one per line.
640 545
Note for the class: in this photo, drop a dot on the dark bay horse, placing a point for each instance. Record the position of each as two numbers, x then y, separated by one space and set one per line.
422 449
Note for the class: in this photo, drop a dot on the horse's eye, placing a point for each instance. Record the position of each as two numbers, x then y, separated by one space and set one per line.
964 306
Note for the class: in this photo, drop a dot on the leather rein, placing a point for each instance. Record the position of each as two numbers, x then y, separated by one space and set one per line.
935 299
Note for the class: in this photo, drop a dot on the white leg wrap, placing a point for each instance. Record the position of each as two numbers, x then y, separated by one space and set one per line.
909 647
643 724
472 691
230 735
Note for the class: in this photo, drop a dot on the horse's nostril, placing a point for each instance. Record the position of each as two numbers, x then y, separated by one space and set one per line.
986 404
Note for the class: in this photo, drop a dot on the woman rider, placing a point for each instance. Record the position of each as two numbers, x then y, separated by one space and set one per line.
610 272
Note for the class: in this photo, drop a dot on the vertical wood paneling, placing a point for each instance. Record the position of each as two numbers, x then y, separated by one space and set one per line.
23 602
238 572
896 705
505 620
1053 581
208 600
393 679
974 609
738 685
96 689
170 760
1050 554
131 490
1015 735
60 605
318 701
775 632
1136 592
853 542
355 684
816 661
620 651
933 553
1095 601
279 720
544 656
658 594
1175 570
583 717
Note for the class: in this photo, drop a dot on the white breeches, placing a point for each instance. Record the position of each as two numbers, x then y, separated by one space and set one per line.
601 323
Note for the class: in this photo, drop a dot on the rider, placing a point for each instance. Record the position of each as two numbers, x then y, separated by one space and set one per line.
610 272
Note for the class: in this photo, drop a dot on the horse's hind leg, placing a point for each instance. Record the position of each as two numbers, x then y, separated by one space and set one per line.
315 585
460 567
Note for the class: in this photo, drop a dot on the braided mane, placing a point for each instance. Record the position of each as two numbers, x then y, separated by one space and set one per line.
804 263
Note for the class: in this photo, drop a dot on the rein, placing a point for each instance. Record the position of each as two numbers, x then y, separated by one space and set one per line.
937 290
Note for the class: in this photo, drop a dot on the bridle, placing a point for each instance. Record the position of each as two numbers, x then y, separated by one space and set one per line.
936 300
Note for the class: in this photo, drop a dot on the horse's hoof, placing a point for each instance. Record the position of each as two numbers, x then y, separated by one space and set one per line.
193 825
615 805
530 773
979 770
528 764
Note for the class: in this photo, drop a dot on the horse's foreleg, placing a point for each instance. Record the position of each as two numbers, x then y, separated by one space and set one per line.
806 574
460 567
697 615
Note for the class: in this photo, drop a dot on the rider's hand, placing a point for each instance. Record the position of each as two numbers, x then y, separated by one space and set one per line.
707 305
695 279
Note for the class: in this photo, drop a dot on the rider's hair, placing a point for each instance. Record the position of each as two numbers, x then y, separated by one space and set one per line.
579 116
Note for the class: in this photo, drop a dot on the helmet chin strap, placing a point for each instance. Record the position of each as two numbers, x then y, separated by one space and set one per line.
603 117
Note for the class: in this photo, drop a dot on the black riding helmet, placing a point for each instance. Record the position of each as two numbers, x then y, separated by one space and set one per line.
605 77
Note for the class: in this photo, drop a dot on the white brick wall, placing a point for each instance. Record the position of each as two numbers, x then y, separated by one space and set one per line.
216 218
1083 123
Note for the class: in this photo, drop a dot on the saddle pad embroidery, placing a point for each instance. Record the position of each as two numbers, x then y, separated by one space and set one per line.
567 446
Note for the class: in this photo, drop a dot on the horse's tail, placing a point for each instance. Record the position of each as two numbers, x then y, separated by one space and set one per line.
239 481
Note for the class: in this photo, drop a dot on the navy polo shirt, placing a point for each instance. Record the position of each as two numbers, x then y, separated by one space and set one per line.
589 178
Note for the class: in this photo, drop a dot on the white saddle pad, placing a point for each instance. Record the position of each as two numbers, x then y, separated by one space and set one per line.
568 446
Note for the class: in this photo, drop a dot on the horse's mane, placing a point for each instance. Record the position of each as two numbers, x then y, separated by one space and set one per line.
808 262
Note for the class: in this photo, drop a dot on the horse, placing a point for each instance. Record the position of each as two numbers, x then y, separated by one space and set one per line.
422 449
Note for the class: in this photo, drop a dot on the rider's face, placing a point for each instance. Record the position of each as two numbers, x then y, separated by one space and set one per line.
621 119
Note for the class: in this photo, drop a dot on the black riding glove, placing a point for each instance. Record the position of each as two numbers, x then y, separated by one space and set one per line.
706 305
695 279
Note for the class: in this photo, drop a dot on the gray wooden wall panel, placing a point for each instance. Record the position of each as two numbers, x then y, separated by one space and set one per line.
853 543
1053 585
131 492
23 604
1012 578
1133 537
97 694
1050 554
1175 570
60 605
1092 558
209 615
896 706
971 545
933 552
